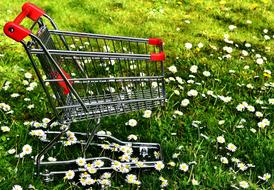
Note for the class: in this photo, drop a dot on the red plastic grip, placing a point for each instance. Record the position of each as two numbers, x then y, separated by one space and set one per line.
62 83
155 41
157 56
17 32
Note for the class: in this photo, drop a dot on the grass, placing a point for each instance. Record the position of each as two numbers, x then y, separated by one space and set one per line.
209 21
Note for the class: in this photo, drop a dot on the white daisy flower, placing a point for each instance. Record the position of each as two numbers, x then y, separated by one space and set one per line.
171 163
185 102
154 84
80 161
261 125
243 184
132 137
259 114
259 61
250 108
98 163
188 45
242 166
224 160
132 123
266 121
244 53
90 181
28 75
69 174
5 129
177 112
184 167
271 101
51 159
192 92
147 113
232 27
17 187
159 165
231 147
200 45
194 182
193 68
131 178
267 176
106 175
11 151
14 95
27 149
206 73
172 69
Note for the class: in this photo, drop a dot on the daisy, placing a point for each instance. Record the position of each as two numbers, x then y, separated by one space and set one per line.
194 68
106 175
261 125
132 122
80 161
5 129
259 61
69 174
224 160
231 147
232 27
250 108
259 114
131 178
266 121
244 53
192 92
98 163
28 75
132 137
188 45
51 159
172 69
147 113
27 149
206 73
90 181
14 95
221 139
242 166
92 170
17 187
244 184
159 165
194 182
171 163
11 151
200 45
184 167
267 176
177 112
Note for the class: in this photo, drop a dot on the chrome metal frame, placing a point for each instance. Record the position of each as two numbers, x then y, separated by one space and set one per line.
77 105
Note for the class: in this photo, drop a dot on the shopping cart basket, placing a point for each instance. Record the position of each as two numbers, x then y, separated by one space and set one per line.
91 76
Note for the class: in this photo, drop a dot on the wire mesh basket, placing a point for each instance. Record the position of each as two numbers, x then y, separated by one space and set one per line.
89 76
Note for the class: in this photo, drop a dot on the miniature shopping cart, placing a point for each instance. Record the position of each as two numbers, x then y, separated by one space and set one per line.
89 76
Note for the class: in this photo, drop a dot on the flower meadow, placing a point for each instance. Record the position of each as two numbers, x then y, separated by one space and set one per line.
215 129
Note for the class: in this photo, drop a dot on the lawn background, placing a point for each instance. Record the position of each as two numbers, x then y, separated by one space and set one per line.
209 21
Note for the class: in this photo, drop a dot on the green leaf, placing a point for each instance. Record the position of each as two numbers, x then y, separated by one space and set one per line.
4 138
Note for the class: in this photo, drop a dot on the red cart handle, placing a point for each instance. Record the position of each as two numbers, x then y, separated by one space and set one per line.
14 30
